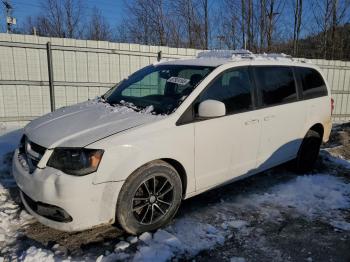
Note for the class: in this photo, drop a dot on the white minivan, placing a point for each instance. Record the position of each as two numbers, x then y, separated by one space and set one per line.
168 132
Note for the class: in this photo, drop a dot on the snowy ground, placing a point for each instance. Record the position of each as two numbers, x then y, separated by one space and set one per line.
274 216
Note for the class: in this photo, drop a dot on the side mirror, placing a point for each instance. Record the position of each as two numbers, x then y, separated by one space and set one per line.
211 108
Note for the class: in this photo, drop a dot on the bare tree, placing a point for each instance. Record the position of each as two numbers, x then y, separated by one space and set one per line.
254 24
243 19
269 30
146 22
250 35
239 20
262 23
98 27
298 10
328 14
60 18
322 14
274 10
229 25
188 15
206 23
334 25
191 18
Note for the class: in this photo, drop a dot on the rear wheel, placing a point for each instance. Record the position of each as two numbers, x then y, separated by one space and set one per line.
308 152
150 198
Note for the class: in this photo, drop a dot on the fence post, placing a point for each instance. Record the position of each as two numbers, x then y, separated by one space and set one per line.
159 56
50 71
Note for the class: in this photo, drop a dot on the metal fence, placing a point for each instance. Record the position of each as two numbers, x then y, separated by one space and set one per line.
83 69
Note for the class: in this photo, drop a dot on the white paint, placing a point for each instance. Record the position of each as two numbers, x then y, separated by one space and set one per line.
211 108
212 152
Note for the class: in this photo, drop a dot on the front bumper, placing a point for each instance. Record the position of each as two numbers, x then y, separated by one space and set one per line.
89 205
48 211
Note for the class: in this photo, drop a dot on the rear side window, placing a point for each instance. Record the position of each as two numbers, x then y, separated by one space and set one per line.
276 84
312 83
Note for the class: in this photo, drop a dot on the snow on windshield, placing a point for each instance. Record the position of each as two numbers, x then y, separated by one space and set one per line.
125 107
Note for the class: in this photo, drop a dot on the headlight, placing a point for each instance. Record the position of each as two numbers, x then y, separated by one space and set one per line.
76 161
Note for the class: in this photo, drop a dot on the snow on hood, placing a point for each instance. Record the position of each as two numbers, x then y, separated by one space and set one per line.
85 123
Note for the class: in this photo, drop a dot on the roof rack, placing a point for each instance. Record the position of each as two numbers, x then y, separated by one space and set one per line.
242 54
224 53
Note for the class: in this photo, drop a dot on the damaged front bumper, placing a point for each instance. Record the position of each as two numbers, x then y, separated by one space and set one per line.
64 202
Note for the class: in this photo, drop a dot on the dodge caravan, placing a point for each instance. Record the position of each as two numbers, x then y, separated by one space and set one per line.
170 131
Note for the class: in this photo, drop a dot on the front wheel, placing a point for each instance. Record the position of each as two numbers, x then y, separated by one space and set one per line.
149 198
308 152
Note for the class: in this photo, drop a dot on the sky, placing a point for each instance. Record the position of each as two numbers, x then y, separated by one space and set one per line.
111 9
114 11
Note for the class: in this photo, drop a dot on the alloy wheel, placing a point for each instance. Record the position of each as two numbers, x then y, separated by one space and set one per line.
152 199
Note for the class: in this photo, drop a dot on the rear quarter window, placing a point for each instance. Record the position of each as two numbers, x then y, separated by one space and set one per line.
276 84
312 83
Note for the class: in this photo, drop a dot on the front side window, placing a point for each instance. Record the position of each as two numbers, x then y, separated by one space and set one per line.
276 84
312 83
233 88
163 87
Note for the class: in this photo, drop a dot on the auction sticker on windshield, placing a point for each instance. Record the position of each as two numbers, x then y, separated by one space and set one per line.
178 80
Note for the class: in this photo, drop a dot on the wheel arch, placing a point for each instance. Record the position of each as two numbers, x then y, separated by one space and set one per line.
318 128
180 170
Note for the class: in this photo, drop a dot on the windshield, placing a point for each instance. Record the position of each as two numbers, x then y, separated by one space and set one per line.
159 87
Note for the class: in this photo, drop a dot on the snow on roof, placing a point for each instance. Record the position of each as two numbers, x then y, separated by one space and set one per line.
214 62
228 54
242 54
218 57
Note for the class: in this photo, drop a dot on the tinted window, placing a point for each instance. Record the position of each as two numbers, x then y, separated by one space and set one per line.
233 89
312 83
276 84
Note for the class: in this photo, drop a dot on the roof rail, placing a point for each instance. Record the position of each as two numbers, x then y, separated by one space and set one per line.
242 53
224 53
276 55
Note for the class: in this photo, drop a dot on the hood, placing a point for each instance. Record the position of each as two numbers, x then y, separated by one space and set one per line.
84 123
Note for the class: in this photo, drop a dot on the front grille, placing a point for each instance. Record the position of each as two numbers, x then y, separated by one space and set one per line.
30 154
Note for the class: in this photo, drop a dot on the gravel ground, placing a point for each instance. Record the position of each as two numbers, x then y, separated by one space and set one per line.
262 218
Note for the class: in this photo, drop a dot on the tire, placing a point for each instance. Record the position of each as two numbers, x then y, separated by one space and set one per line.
138 198
308 152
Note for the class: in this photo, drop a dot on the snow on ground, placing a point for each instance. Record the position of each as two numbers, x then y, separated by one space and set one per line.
320 196
313 196
339 160
34 254
11 215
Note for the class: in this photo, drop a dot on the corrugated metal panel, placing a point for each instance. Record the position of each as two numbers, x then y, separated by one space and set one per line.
84 69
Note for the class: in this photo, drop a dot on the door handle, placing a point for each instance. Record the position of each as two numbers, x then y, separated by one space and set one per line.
251 122
267 118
